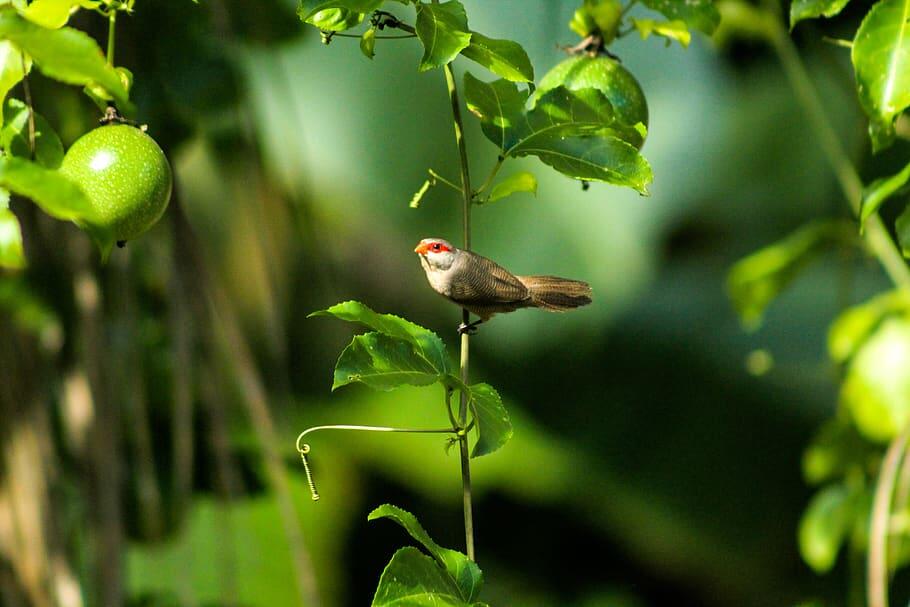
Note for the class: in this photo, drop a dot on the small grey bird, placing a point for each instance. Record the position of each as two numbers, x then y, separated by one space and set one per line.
485 288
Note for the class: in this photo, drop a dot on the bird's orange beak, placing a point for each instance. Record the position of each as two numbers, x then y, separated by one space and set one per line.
422 248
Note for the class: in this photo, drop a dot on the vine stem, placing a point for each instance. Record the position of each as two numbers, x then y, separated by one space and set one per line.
877 572
111 35
876 234
465 338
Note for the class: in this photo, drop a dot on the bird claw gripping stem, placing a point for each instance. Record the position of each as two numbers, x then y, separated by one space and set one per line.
468 328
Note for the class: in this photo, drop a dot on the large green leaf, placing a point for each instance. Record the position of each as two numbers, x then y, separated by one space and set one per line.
876 389
12 62
14 136
12 255
575 132
463 571
412 579
65 54
383 363
428 344
443 31
55 194
698 14
877 192
811 9
824 526
755 281
502 57
902 226
51 13
881 60
494 428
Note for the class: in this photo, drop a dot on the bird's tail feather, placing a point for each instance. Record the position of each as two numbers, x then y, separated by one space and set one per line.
557 294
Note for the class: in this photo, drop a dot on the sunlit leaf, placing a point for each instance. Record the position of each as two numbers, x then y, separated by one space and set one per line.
835 449
12 63
597 17
575 132
881 60
824 526
12 255
755 281
671 30
368 43
335 19
306 9
14 136
698 14
494 428
51 13
876 389
518 182
902 225
429 345
854 326
65 54
383 363
877 192
443 31
463 571
55 194
502 57
412 579
811 9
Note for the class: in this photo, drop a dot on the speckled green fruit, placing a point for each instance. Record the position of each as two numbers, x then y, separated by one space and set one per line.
125 176
607 75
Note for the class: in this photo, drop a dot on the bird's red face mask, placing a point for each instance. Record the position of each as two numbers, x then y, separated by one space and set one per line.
432 246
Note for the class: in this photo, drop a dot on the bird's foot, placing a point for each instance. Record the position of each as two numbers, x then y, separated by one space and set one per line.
468 328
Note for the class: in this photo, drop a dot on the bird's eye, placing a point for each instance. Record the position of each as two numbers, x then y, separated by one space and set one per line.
436 246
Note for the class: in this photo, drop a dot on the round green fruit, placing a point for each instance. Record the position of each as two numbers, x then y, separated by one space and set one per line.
126 178
608 76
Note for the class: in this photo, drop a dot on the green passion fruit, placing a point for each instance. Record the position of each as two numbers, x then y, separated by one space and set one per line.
126 178
608 76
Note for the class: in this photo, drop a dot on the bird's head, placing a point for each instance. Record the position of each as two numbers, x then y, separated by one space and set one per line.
436 253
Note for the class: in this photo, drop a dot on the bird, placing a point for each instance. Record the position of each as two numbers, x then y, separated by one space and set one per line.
484 288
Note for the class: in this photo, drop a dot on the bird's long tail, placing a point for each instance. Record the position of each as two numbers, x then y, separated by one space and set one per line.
557 294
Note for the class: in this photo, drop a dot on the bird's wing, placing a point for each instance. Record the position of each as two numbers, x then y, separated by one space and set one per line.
483 281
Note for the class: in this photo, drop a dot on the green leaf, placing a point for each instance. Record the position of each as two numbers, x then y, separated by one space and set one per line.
755 281
428 344
575 132
443 31
834 450
65 54
100 96
335 20
812 9
55 194
412 579
12 63
519 182
876 389
494 428
463 571
824 526
383 363
51 13
14 136
368 43
876 193
881 60
306 9
854 326
671 30
12 255
502 57
902 226
698 14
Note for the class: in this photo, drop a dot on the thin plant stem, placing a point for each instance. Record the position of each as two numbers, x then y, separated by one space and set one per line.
875 233
877 572
443 180
378 37
27 91
492 175
465 338
111 35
